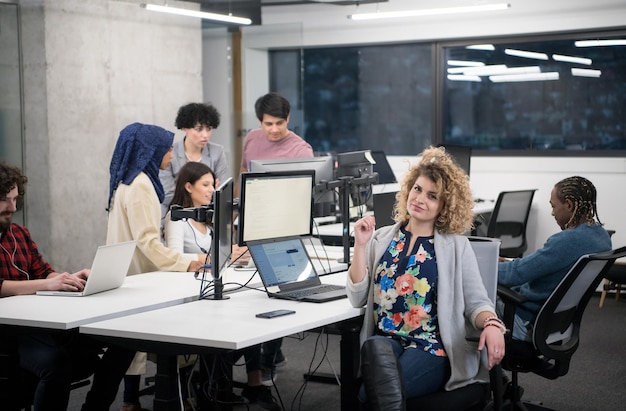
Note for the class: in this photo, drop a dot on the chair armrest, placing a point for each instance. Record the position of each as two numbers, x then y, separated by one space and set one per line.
511 299
509 296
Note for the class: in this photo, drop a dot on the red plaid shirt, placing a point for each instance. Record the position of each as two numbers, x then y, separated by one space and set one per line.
19 249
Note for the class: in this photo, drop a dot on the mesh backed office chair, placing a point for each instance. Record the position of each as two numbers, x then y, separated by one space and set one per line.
476 396
509 219
555 335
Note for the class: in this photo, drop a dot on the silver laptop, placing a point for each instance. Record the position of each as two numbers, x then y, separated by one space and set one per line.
288 273
108 270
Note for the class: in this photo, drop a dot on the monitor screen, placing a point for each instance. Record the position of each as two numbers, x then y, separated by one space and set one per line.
275 204
324 200
461 154
222 244
358 165
383 168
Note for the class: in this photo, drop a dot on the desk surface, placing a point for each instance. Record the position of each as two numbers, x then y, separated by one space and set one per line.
226 324
139 293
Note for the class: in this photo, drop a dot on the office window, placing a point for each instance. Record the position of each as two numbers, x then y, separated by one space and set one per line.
354 98
529 95
536 95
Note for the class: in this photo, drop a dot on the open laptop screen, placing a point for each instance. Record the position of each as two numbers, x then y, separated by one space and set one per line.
282 261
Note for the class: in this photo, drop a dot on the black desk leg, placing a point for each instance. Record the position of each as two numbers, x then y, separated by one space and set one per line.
350 361
10 372
166 382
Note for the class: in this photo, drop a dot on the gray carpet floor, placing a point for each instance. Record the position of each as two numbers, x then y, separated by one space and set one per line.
596 380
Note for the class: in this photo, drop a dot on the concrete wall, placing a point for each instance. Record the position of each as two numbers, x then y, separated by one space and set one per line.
91 68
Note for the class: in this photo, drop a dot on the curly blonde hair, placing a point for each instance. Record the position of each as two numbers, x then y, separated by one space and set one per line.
457 215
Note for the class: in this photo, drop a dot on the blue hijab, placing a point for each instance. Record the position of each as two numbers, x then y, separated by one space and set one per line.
140 147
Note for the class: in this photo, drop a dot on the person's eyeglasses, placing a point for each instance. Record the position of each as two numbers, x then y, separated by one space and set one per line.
200 128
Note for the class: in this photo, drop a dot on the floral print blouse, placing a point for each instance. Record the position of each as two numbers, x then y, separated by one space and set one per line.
405 293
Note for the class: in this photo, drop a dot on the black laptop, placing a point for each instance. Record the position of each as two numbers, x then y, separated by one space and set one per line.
288 272
383 208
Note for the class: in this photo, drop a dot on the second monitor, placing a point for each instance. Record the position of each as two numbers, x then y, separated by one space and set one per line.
323 166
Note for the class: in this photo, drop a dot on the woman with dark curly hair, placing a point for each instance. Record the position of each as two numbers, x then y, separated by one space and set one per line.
423 292
197 121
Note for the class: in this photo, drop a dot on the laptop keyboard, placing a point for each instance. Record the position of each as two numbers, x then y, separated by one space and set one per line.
312 291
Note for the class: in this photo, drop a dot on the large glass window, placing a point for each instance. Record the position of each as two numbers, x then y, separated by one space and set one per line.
561 94
354 98
548 94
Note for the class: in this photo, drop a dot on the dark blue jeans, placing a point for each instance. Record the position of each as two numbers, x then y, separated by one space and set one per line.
269 353
422 373
47 357
56 359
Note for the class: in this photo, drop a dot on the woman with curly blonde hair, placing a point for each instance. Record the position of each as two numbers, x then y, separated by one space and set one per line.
423 292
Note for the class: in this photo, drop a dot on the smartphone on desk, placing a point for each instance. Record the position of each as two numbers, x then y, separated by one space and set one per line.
275 313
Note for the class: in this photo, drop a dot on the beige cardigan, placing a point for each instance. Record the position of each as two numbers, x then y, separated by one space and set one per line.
135 214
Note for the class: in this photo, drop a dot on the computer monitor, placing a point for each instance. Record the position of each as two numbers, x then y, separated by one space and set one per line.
222 245
275 204
360 166
323 199
461 154
383 168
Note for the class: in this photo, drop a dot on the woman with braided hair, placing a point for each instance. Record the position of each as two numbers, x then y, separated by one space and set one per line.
535 276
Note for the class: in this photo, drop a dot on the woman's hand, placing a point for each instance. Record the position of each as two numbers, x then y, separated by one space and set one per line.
363 230
493 339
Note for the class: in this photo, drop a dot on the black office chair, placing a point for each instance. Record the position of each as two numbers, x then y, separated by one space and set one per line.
477 396
555 335
509 220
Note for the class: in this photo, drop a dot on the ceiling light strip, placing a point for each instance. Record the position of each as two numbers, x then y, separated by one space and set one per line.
526 54
525 77
227 18
571 59
586 72
600 43
428 12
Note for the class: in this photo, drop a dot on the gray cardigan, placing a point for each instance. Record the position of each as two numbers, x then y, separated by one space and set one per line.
461 297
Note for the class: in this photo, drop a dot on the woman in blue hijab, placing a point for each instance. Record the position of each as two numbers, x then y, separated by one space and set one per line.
134 206
135 194
140 148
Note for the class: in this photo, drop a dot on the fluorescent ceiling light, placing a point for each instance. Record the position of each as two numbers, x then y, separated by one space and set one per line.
526 54
586 72
572 59
494 70
428 12
461 77
227 18
488 47
465 63
600 43
478 71
525 77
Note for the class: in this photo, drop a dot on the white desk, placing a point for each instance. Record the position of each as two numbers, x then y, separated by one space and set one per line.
139 293
178 324
231 324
